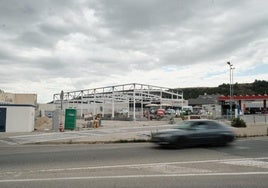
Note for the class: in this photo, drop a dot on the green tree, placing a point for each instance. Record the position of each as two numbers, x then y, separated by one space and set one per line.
257 87
260 87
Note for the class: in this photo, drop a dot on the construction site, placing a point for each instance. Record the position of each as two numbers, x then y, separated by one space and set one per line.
126 101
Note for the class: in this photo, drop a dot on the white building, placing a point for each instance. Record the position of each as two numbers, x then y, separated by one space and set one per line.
17 118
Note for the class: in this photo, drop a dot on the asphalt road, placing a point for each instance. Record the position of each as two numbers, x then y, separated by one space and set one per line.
243 164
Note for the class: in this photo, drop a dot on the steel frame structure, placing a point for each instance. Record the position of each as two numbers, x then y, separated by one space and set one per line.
132 93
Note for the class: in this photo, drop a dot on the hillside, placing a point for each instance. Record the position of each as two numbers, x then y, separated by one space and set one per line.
255 88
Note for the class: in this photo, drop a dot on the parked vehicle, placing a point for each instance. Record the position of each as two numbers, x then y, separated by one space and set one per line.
194 133
186 110
170 112
160 113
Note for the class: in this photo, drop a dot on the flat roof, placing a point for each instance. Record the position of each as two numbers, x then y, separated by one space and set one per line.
243 97
18 105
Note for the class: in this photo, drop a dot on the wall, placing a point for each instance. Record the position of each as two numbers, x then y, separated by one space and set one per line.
20 118
7 98
82 108
255 119
26 99
12 98
213 109
99 108
45 109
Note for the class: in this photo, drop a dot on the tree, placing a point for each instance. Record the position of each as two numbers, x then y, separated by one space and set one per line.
260 87
255 88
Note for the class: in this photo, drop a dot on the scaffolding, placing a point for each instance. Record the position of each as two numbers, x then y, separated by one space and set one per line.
132 97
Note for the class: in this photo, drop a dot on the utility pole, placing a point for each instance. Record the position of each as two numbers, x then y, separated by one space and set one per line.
231 88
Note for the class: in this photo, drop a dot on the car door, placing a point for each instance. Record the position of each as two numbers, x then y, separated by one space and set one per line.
214 132
202 133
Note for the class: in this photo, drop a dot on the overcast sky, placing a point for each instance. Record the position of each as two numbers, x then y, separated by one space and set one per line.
53 45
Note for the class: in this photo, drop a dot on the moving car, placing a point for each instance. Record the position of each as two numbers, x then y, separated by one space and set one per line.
194 133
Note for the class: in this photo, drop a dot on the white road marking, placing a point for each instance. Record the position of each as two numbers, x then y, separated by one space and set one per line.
241 147
141 165
250 163
154 164
7 142
135 176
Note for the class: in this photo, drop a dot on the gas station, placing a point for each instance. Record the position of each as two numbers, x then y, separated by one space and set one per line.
246 104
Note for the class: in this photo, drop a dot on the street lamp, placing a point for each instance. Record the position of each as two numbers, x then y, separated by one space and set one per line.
231 88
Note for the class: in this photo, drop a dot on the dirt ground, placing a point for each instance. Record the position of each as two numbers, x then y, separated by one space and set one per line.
45 123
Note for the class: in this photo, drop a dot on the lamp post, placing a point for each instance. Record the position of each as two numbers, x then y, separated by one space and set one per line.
231 92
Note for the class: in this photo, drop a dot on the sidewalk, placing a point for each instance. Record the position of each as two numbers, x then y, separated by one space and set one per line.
109 132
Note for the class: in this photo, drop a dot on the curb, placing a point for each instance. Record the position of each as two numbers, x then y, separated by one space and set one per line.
92 142
117 141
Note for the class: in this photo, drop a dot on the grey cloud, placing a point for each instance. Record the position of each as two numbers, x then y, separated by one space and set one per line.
221 40
5 56
34 39
122 35
144 23
130 16
125 17
17 12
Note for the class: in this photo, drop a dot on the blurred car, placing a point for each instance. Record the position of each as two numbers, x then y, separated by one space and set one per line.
194 133
170 112
123 111
160 112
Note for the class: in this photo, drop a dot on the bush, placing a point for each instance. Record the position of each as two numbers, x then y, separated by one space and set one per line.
237 122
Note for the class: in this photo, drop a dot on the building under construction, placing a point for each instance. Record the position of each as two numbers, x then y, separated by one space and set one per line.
128 100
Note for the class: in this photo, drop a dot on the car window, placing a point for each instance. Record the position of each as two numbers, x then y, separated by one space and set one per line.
213 125
200 125
197 125
184 125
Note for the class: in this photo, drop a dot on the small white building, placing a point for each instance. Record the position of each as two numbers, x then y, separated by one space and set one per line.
17 117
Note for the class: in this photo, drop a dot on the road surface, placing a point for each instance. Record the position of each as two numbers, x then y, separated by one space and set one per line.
243 164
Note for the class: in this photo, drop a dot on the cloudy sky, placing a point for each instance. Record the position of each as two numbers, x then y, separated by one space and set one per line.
53 45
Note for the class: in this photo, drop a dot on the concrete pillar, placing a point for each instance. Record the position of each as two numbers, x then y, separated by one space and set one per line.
113 103
134 103
264 106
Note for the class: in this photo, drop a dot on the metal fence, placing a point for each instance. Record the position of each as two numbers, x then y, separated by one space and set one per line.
255 119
